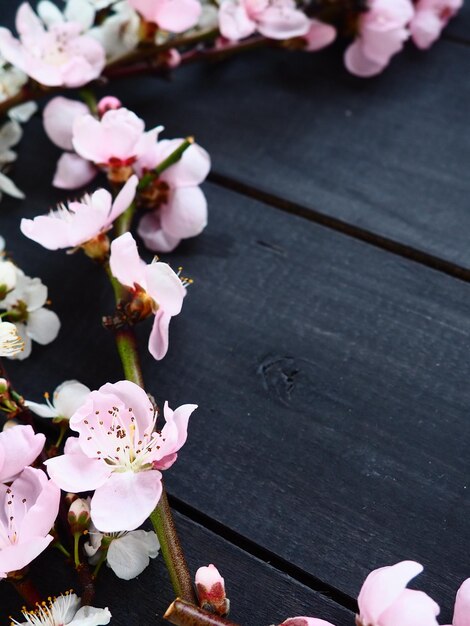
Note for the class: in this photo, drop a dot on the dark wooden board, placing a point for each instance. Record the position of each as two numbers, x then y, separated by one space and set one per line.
260 595
460 26
331 376
389 155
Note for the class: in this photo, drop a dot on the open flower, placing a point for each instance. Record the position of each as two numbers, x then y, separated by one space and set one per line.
65 611
430 18
462 605
128 552
119 454
180 205
79 222
59 116
19 447
156 281
29 508
10 135
382 32
275 19
384 599
117 139
67 398
11 343
25 304
58 56
175 16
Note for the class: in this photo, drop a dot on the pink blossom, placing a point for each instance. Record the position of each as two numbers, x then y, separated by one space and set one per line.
108 103
59 115
431 17
211 590
385 601
79 222
275 19
382 32
319 35
119 454
60 55
181 205
19 447
175 16
305 621
118 138
462 605
158 281
28 509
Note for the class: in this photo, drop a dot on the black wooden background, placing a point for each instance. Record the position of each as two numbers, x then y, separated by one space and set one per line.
326 338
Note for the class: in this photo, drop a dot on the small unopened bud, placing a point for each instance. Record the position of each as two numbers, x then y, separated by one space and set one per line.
4 385
211 590
78 516
171 58
108 103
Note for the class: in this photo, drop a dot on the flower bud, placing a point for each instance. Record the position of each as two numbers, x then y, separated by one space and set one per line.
211 590
78 516
108 103
4 385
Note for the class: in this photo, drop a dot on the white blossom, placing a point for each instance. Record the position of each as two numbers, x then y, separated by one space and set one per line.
66 399
11 343
119 33
65 611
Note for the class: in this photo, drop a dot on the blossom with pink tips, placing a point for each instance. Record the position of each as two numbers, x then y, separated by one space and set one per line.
384 599
19 447
119 454
79 222
117 139
175 16
430 18
59 55
275 19
29 508
305 621
382 32
181 207
211 590
462 605
59 115
159 283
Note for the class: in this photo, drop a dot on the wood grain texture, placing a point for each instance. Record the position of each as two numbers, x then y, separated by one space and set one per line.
260 595
389 155
331 377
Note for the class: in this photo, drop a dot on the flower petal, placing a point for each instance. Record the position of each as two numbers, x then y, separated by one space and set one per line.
462 605
43 326
165 287
185 215
20 447
69 397
77 472
411 608
126 500
158 340
59 116
91 616
129 555
153 236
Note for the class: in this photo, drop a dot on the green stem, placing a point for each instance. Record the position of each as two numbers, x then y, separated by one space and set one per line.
89 99
171 159
123 223
162 521
62 549
127 348
76 554
101 560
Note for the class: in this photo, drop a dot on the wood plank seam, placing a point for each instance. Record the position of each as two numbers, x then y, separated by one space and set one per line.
263 554
338 225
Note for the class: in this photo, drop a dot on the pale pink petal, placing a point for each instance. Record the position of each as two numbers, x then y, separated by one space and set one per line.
165 287
40 518
27 23
191 170
146 8
12 50
77 472
185 215
43 326
158 340
319 35
177 16
59 116
382 587
358 64
305 621
411 608
180 418
50 233
154 238
281 22
27 488
19 447
72 172
234 22
126 500
125 263
425 28
124 198
135 398
89 140
17 556
462 605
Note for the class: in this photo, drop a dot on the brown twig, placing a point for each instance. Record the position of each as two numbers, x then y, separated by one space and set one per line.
183 613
